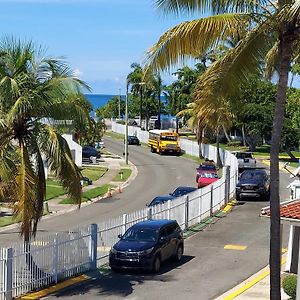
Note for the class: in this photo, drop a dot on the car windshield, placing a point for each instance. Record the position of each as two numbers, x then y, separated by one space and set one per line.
252 176
140 234
209 175
168 138
207 167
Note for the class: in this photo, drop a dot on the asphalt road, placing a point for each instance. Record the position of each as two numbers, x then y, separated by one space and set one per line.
156 175
207 269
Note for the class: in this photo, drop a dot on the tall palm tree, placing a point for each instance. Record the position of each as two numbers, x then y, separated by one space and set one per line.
273 36
34 96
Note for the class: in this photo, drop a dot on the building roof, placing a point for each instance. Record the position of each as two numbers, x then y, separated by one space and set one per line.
288 210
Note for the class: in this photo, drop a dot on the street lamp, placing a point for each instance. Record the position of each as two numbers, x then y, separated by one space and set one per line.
126 124
119 103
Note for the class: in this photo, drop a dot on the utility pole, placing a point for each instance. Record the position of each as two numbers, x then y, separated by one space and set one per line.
119 103
126 124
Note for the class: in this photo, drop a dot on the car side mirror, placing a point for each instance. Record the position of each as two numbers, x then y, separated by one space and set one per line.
147 204
120 236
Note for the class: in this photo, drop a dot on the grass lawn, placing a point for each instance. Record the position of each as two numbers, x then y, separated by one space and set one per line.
114 135
7 220
53 189
126 174
195 158
93 173
90 194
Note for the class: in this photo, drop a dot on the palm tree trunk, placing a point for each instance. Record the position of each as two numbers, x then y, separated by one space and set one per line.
243 135
285 48
141 105
219 161
226 134
159 109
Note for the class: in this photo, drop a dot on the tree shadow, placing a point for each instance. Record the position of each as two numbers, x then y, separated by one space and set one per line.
121 283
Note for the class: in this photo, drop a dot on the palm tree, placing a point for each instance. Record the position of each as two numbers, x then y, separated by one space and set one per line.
34 96
272 35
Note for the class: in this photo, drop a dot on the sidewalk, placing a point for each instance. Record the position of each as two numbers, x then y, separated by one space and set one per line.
255 287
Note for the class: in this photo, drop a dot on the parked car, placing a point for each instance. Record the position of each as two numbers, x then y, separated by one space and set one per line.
161 199
245 160
99 145
86 179
206 178
146 245
133 140
88 151
254 183
206 167
182 190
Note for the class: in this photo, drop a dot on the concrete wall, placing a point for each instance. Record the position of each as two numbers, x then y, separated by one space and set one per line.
75 148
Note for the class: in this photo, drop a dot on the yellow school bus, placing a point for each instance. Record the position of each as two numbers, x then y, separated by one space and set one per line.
162 141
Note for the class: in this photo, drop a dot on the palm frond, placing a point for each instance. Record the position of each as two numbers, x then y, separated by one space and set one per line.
26 181
191 39
272 60
202 6
60 161
225 76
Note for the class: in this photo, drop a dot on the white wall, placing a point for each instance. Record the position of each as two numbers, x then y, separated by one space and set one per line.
75 148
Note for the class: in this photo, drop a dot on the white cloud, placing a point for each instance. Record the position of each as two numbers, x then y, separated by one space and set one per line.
77 73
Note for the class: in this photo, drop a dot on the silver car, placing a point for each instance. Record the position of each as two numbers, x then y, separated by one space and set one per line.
245 160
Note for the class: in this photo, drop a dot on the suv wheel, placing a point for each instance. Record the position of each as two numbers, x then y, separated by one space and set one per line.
179 253
156 264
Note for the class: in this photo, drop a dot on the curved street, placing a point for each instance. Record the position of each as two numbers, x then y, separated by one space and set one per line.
207 270
156 175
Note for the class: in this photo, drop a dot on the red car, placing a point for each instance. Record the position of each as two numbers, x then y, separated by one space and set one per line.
206 167
206 179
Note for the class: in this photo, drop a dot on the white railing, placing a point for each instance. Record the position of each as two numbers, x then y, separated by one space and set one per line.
53 258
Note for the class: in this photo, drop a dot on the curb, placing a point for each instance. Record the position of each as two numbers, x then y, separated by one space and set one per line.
248 283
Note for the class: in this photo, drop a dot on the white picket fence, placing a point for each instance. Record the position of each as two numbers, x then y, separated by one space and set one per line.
53 258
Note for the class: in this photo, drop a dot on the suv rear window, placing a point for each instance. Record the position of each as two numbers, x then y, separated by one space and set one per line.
244 155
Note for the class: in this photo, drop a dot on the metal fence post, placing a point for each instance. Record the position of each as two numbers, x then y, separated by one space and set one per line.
186 215
124 223
149 213
227 184
8 273
55 260
93 246
200 205
169 209
211 199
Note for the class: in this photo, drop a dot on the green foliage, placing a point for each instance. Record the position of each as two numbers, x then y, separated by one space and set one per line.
234 144
289 285
111 108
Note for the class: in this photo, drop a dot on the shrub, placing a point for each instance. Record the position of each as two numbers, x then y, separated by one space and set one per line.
289 285
234 143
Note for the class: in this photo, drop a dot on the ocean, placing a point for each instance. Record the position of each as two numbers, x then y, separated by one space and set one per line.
98 100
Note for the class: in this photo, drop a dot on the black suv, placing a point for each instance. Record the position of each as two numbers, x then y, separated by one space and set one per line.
133 140
88 151
146 245
253 184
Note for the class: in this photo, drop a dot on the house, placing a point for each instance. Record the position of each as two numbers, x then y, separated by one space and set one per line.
76 149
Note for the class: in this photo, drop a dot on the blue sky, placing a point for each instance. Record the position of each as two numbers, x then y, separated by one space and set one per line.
98 38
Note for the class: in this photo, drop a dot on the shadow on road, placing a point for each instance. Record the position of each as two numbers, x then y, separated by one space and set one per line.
121 283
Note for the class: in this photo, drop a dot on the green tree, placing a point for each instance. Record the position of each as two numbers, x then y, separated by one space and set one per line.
273 36
33 93
111 108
